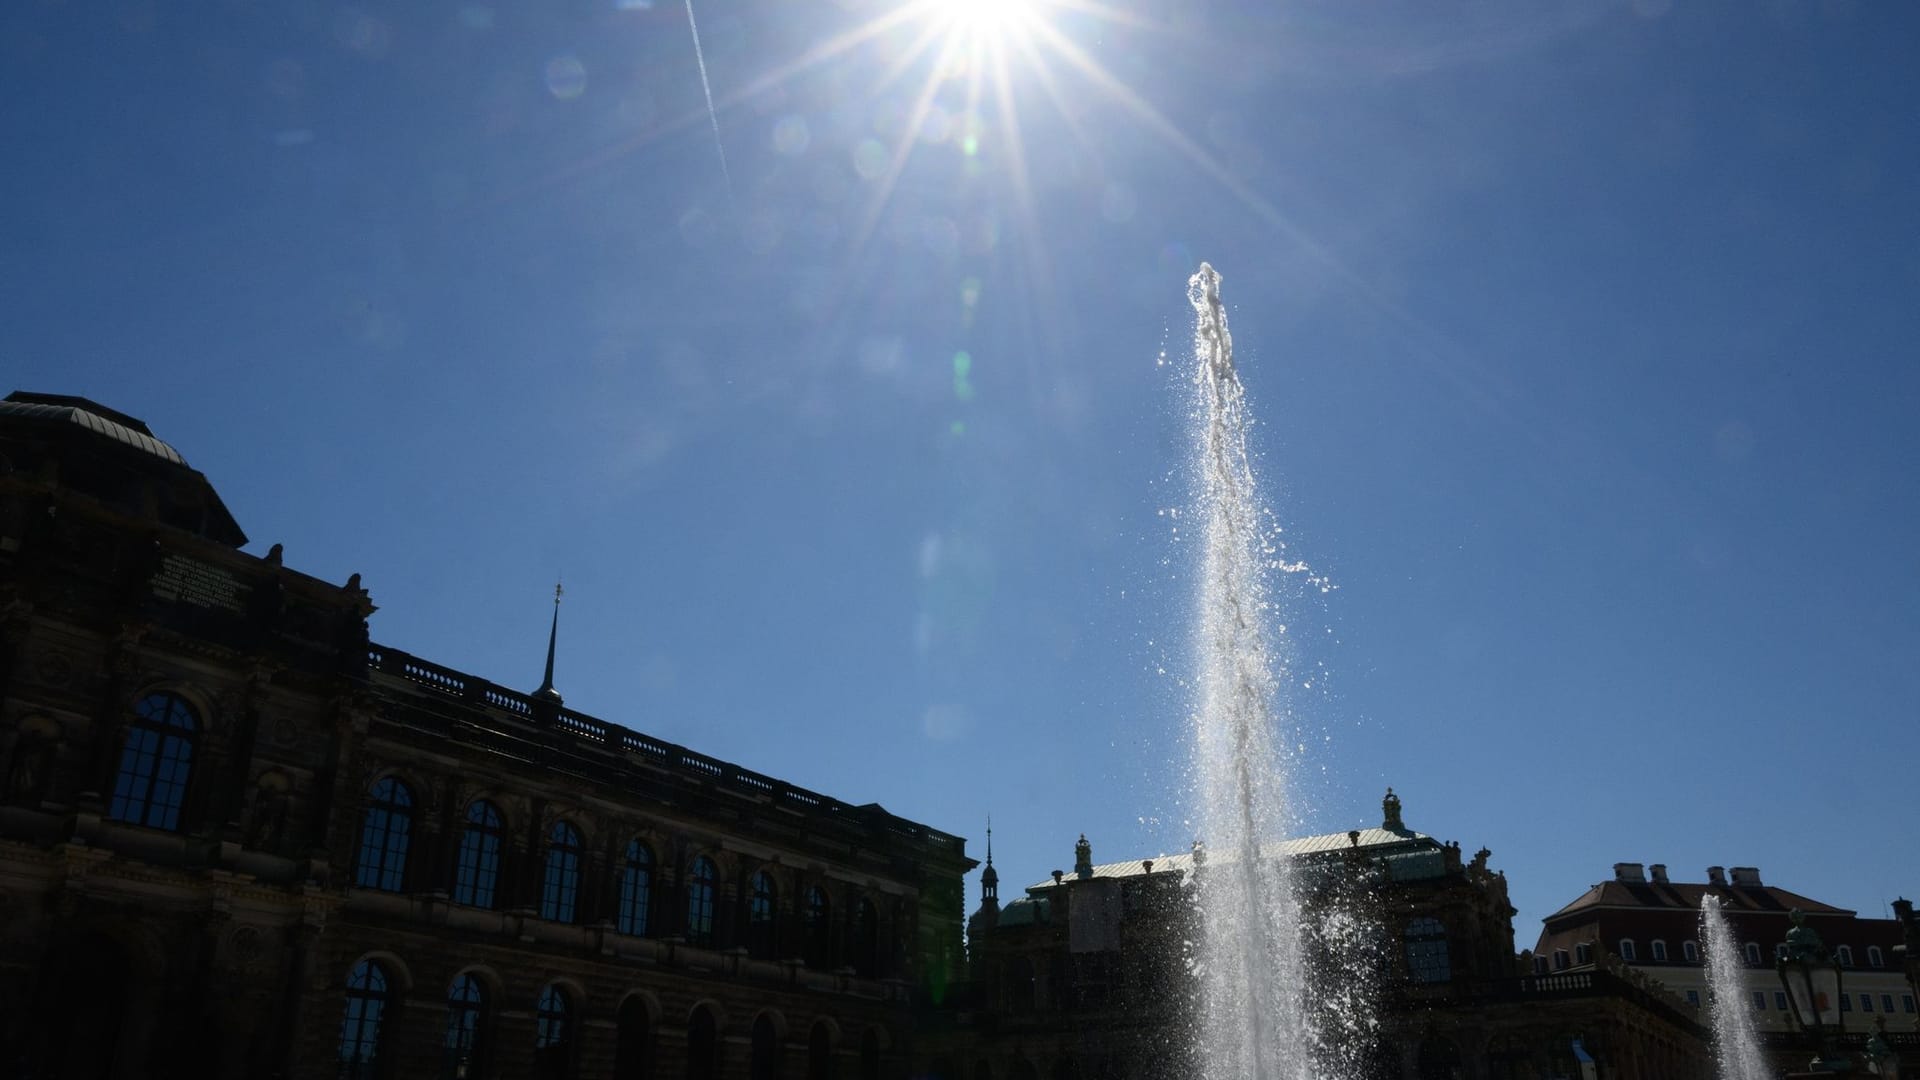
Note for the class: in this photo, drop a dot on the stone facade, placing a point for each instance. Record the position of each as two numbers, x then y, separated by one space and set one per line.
1433 963
240 840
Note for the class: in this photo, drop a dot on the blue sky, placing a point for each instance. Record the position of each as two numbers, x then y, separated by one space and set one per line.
1580 335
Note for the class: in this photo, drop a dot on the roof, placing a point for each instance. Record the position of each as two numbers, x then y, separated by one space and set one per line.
1687 896
1385 842
97 418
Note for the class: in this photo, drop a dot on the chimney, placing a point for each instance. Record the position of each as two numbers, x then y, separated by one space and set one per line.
1659 871
1716 875
1746 875
1629 872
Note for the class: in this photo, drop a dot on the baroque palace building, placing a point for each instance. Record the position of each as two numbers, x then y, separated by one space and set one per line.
239 840
1087 974
1641 920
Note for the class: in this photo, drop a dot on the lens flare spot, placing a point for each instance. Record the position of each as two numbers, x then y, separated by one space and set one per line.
963 375
791 135
566 77
870 159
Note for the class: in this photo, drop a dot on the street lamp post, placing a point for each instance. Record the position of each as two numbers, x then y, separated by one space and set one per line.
1803 955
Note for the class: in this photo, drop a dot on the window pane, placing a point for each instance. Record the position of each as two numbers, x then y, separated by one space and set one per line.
465 1006
636 886
478 869
700 884
561 886
360 1026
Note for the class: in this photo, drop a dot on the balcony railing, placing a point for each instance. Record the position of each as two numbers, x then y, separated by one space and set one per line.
581 732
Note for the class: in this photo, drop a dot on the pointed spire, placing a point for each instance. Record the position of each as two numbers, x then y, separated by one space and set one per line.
990 878
546 690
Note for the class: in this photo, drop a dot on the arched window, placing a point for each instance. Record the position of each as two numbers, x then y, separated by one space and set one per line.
866 937
478 870
633 1048
552 1033
870 1055
636 888
367 998
765 1061
1874 957
155 763
383 837
1627 951
818 921
1753 954
701 880
466 1012
561 888
820 1052
1427 960
1845 955
703 1045
1659 949
1690 951
760 922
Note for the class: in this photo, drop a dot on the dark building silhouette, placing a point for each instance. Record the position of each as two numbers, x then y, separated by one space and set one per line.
239 840
1086 974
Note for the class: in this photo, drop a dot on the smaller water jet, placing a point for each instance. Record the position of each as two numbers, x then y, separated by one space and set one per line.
1736 1044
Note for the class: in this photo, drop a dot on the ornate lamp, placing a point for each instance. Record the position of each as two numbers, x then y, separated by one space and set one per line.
1804 954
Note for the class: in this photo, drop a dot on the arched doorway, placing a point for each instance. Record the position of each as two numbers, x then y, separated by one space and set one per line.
765 1063
633 1041
703 1044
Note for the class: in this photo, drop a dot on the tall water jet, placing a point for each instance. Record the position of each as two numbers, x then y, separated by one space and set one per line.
1736 1045
1253 998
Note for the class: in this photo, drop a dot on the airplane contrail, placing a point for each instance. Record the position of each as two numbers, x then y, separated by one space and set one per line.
706 87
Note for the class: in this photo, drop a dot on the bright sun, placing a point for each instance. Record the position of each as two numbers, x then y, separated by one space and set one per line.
987 20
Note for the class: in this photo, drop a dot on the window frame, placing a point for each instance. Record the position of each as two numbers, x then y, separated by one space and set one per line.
1752 952
1628 951
369 995
553 1035
389 803
1657 949
560 880
1427 951
817 926
763 906
1875 958
703 885
154 778
1690 951
476 871
465 1037
633 905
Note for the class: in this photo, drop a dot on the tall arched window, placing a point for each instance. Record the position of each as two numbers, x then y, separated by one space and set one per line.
760 921
561 888
818 921
477 873
384 833
636 889
702 878
633 1046
820 1052
765 1061
466 1012
703 1045
367 998
552 1033
155 763
1875 958
866 937
1427 960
